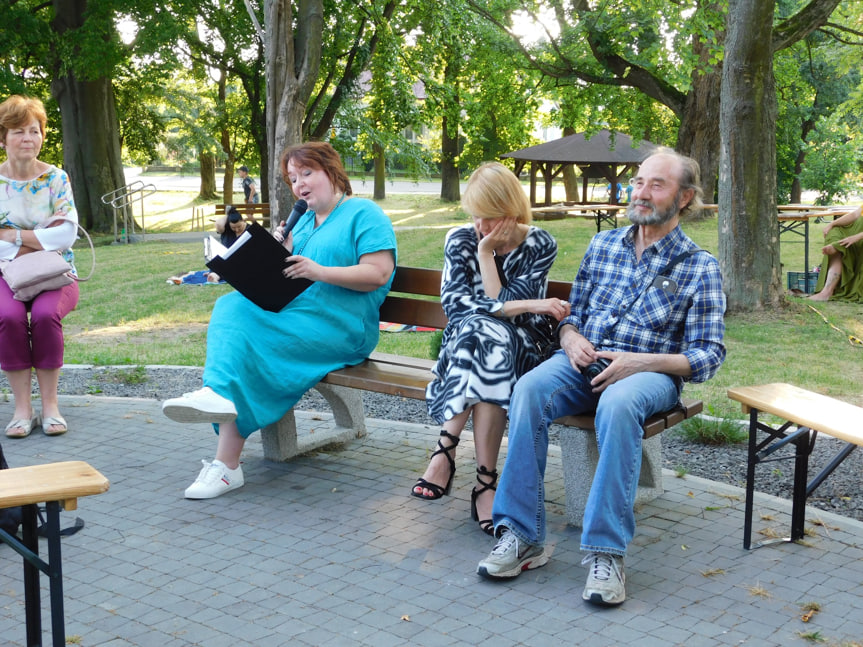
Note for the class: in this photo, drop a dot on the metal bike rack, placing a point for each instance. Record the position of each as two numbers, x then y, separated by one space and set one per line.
122 200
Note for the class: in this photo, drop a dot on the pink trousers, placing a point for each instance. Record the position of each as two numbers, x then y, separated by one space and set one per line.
37 341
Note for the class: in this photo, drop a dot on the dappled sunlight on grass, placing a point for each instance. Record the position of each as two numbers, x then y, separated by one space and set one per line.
130 330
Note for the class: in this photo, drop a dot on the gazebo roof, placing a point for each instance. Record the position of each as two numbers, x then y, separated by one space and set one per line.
604 147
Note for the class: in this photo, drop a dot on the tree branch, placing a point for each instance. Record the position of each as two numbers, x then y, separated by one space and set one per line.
804 22
623 72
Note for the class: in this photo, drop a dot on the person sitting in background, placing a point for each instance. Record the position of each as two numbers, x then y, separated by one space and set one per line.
234 227
493 288
255 372
37 212
841 275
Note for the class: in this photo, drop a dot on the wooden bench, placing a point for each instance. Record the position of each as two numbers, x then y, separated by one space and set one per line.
56 485
409 303
805 414
258 212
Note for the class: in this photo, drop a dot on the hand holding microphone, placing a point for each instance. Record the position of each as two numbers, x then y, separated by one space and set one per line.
299 209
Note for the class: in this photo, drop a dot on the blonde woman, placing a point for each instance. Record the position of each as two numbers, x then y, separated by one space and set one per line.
493 292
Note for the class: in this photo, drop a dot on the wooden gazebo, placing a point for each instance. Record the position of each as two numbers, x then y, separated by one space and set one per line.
604 155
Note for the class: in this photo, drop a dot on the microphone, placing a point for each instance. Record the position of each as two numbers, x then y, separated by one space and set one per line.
299 209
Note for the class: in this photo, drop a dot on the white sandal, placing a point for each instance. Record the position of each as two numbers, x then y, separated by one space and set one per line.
52 421
24 424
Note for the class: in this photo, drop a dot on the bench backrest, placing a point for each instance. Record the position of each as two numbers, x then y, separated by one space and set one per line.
260 209
424 282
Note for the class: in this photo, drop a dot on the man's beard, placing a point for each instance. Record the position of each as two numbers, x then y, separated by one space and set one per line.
654 217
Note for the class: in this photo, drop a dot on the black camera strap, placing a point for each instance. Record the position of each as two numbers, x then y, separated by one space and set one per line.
661 280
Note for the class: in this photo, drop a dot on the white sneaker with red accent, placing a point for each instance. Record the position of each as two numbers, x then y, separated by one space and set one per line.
215 479
203 405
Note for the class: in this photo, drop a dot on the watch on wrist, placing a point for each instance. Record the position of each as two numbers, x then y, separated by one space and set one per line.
18 241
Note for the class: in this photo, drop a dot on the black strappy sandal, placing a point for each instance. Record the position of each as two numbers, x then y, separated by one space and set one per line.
486 525
436 490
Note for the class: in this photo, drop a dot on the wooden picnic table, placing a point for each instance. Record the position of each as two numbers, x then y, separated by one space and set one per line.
600 213
795 218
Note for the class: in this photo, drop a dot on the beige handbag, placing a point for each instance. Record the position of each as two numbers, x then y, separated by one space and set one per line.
30 274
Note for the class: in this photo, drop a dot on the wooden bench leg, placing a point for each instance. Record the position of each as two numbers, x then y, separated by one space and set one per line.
281 442
579 456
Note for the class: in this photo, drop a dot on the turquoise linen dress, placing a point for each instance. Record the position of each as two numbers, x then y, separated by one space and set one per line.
264 361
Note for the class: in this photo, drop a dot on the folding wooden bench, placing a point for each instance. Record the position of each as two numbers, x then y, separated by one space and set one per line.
806 413
56 485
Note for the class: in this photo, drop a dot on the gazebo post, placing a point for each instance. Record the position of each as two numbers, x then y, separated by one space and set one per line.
533 184
549 178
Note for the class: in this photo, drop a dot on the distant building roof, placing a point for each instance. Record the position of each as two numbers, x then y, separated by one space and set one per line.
604 147
603 155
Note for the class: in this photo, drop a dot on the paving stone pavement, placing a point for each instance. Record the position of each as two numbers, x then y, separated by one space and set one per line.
329 549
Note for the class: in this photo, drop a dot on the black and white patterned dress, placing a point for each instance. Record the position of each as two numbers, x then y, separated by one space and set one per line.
482 355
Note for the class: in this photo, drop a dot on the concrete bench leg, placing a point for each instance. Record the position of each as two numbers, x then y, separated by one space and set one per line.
281 442
579 456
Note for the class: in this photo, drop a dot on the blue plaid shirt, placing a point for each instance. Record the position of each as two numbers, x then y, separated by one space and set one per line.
616 306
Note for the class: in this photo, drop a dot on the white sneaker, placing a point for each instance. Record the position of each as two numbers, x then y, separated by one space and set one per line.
203 405
510 557
605 580
215 479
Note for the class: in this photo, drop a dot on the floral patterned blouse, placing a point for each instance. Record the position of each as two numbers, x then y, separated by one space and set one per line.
36 204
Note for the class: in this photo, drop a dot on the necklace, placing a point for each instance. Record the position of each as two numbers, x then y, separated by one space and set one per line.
344 193
315 230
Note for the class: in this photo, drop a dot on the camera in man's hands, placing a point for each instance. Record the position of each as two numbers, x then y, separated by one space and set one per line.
595 368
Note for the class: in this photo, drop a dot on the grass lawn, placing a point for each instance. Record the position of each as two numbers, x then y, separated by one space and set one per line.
128 314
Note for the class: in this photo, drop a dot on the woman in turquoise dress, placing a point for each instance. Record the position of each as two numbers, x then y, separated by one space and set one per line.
841 276
260 363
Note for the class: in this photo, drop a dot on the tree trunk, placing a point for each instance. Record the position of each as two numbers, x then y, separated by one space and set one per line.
91 131
293 61
258 130
796 190
748 227
698 135
230 162
226 145
207 161
450 191
380 190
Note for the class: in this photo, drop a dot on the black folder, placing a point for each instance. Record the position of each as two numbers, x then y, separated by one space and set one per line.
254 268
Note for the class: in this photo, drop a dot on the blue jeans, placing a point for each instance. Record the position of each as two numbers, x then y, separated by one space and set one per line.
554 389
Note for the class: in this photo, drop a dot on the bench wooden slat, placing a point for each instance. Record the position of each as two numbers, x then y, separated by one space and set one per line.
652 426
64 481
261 208
806 408
559 290
417 280
402 360
404 310
393 379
